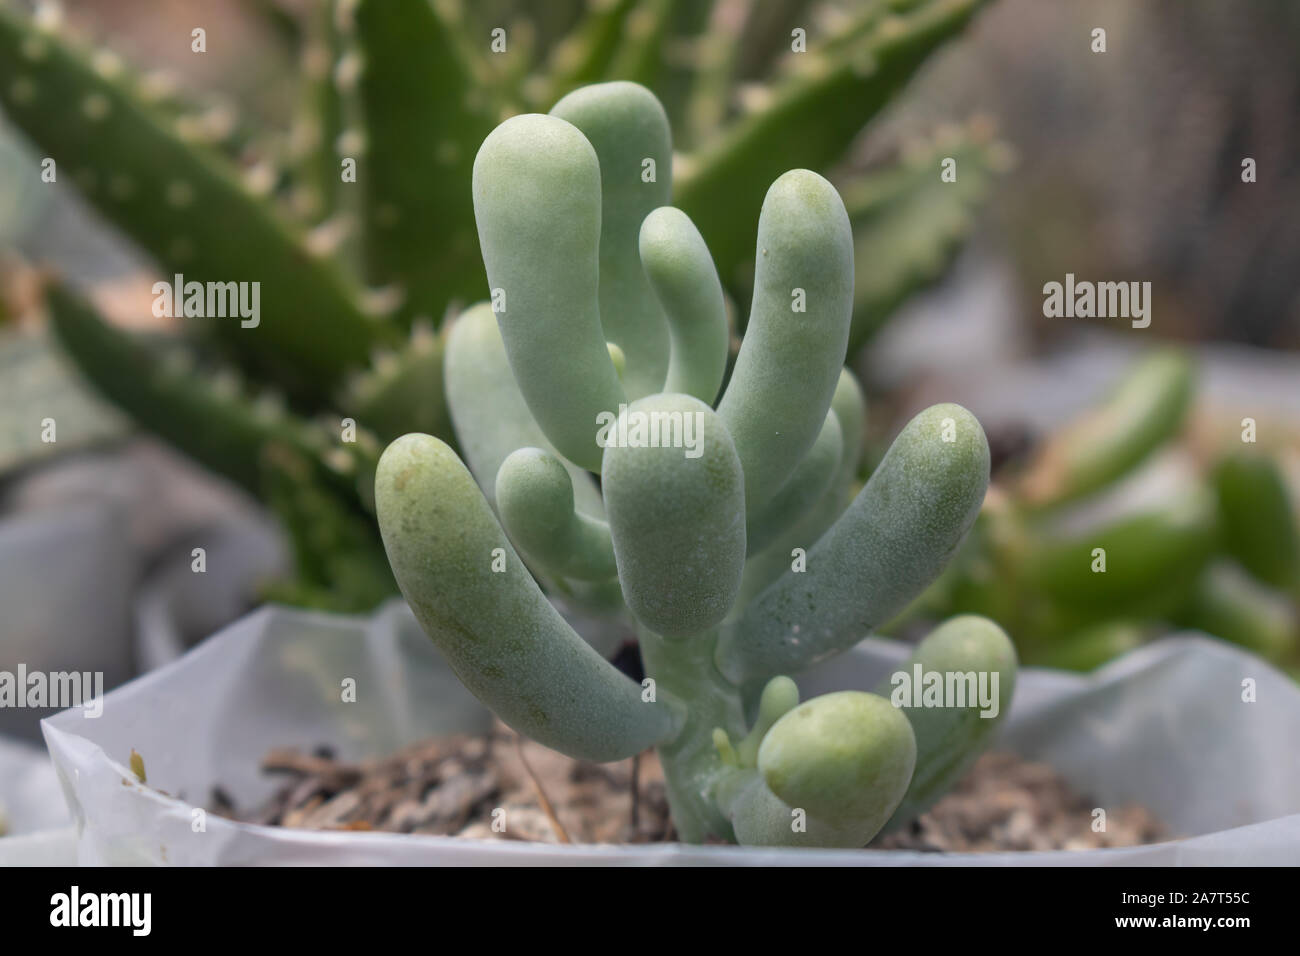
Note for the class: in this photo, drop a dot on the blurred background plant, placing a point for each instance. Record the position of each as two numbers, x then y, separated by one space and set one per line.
1128 164
357 272
1128 523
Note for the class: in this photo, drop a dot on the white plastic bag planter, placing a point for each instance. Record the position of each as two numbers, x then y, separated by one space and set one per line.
29 791
1165 725
33 818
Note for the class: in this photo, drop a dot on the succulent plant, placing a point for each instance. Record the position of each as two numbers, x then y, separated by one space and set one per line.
724 532
357 272
1212 549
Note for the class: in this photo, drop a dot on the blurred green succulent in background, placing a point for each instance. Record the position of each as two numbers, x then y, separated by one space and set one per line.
1123 525
360 229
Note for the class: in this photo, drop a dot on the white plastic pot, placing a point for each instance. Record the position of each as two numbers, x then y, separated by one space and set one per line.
1165 726
33 817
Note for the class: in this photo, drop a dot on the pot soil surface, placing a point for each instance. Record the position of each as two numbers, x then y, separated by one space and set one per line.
500 786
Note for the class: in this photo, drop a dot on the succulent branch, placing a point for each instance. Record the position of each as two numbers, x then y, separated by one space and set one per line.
682 489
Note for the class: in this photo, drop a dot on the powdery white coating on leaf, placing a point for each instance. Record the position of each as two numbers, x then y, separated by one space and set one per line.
761 818
811 480
534 497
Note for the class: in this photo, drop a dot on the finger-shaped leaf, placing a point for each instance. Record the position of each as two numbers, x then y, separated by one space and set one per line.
675 496
489 413
628 129
845 757
974 659
534 496
811 481
886 548
474 598
680 271
538 205
798 330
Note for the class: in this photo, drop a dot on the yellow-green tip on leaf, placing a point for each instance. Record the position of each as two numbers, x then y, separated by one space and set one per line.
618 358
845 758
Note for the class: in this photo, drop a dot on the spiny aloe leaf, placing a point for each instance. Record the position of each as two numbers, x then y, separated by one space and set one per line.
321 121
423 109
716 51
908 224
767 31
338 557
205 417
586 53
187 208
403 390
809 121
639 56
688 24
